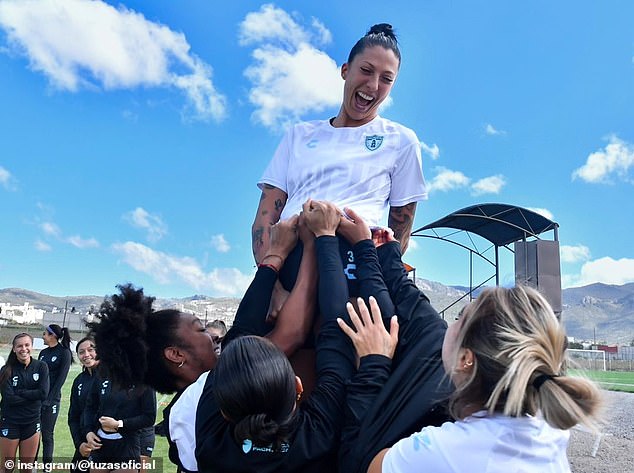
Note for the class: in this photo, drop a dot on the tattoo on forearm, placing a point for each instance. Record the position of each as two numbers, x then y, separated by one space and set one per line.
257 240
279 205
402 219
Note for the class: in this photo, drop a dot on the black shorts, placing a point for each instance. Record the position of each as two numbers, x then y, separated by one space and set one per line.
117 450
146 441
288 273
13 431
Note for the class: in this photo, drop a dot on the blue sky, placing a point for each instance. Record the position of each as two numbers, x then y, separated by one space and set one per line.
132 133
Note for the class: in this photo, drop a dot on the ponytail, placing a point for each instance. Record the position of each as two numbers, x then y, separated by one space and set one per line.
255 389
566 401
262 431
65 340
63 337
519 367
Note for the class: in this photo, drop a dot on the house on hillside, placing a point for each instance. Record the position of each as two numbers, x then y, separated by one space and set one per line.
21 314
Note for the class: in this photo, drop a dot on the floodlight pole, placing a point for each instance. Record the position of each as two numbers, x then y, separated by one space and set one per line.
65 309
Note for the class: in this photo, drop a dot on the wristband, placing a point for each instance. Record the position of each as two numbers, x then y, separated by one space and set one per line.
264 265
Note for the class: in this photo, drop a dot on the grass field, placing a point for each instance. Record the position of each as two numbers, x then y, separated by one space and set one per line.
612 380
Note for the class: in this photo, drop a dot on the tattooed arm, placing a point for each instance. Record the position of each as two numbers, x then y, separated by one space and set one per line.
272 201
400 221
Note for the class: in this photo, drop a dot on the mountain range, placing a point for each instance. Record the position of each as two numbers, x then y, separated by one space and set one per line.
598 312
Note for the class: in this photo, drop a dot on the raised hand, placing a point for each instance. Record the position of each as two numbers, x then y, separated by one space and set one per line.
353 228
283 238
369 336
321 217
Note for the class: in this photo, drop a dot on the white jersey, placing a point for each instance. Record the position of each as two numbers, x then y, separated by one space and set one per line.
482 444
182 422
365 168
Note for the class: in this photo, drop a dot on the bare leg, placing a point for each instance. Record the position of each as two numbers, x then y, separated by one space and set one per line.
8 449
28 450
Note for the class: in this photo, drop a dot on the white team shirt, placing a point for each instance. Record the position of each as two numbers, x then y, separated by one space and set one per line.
182 422
365 168
482 443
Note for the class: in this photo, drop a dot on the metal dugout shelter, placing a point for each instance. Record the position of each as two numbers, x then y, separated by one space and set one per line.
504 226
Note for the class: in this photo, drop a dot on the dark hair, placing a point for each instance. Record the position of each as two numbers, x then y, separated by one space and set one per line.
118 335
380 34
219 324
63 337
130 340
255 389
12 360
85 339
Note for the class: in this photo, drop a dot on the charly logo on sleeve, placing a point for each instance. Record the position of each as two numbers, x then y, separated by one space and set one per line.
373 142
54 359
5 432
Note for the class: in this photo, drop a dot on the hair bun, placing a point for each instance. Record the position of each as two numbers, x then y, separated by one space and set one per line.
382 28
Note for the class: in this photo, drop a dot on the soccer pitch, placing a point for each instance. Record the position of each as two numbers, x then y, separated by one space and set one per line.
612 380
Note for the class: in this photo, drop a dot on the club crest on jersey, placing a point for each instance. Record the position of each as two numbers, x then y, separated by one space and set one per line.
36 376
5 432
373 142
54 358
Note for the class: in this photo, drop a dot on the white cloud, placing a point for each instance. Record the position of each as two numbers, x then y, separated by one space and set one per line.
6 179
290 76
447 180
273 24
574 254
286 85
87 43
82 243
51 229
614 160
165 268
432 151
324 36
412 245
491 130
604 270
543 212
153 224
488 185
42 245
220 243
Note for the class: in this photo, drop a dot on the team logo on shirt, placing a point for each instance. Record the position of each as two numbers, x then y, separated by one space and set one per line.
5 432
247 445
373 142
36 376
